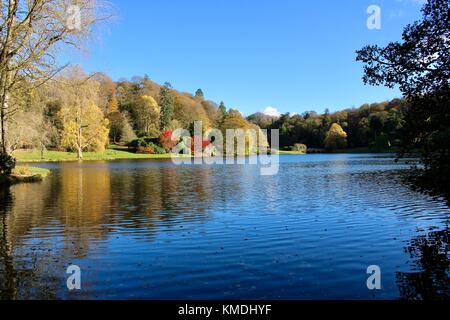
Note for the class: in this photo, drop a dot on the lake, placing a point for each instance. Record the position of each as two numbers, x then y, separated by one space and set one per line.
153 230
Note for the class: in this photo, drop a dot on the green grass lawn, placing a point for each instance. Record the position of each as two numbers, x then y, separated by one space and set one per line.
290 152
349 151
117 153
56 156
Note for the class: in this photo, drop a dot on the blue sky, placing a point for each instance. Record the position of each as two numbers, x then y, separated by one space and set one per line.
291 55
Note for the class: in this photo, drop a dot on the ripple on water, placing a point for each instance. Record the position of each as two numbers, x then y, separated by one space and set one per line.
149 229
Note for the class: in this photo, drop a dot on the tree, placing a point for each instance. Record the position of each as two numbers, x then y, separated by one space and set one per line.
30 129
30 34
128 134
84 130
146 115
166 140
420 66
107 100
187 109
116 125
336 138
199 94
222 113
167 105
222 109
84 125
113 105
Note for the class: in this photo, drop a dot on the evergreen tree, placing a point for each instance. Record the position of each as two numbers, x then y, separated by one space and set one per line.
222 108
199 94
167 105
128 133
222 112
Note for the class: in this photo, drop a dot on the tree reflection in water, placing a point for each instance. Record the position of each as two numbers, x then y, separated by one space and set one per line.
136 216
431 268
7 271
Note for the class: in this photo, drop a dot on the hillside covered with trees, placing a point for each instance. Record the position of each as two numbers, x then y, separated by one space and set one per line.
78 112
377 126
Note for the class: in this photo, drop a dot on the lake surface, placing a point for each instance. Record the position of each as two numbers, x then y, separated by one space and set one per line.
154 230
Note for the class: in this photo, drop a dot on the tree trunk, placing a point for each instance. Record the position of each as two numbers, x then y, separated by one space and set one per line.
79 153
5 148
79 139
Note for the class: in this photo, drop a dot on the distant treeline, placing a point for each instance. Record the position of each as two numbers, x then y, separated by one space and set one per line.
377 126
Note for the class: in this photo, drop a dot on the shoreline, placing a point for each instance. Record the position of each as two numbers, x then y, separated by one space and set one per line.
33 156
24 174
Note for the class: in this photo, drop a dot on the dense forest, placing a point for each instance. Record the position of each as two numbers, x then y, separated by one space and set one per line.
376 126
78 113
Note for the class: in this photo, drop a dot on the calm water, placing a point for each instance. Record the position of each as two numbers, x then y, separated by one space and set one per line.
153 230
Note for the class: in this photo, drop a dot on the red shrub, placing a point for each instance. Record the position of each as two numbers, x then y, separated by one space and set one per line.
166 140
198 140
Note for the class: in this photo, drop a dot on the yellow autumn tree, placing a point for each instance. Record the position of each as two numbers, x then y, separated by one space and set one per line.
146 116
85 127
113 105
254 137
84 130
336 138
188 109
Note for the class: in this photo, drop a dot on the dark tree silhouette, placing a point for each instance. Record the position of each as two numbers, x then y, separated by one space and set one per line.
199 94
420 66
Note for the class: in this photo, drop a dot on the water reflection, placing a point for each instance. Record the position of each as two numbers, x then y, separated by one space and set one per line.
153 230
431 264
8 282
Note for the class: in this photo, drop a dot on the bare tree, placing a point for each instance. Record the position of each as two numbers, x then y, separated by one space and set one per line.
32 32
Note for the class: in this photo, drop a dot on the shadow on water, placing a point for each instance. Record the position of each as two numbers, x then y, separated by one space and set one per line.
7 271
430 253
430 261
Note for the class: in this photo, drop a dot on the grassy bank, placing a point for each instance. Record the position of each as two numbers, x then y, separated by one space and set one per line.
59 156
30 171
123 154
25 174
346 151
290 152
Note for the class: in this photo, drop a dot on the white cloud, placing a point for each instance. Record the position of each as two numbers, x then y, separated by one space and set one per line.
272 112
